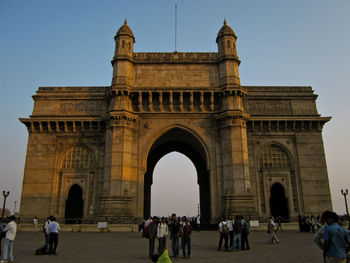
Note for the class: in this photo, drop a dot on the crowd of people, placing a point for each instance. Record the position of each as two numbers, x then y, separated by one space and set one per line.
234 230
331 235
309 223
178 228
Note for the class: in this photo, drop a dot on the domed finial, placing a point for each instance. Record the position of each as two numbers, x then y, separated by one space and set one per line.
125 22
225 23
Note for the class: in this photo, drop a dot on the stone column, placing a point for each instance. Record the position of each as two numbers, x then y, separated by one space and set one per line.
120 179
237 197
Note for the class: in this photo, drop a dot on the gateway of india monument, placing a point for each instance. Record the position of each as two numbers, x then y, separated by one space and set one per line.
257 150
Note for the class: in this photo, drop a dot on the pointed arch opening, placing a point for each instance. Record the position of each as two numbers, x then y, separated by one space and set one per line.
184 142
278 202
175 188
74 205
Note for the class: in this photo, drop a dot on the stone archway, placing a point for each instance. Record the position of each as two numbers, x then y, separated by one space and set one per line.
74 205
186 143
278 202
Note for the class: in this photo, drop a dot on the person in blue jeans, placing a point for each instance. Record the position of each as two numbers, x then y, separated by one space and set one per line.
237 234
174 235
10 229
186 238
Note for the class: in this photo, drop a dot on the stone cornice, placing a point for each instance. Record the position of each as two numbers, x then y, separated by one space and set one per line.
59 125
294 124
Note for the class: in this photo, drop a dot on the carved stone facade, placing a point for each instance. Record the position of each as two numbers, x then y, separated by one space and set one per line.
92 150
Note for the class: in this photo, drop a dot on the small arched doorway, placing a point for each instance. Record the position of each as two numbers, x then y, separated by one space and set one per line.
279 202
74 205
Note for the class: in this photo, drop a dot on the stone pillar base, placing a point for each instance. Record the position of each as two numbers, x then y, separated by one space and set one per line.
117 210
239 205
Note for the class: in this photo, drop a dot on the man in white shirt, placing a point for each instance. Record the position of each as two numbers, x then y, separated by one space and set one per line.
162 233
10 229
52 230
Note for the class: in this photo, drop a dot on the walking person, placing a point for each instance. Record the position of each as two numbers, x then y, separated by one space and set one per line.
53 229
152 234
223 230
162 233
10 229
174 235
271 231
245 232
186 241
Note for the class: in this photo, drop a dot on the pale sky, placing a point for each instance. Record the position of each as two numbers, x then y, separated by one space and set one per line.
70 43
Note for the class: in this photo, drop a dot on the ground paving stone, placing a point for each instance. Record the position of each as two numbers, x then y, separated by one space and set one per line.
131 247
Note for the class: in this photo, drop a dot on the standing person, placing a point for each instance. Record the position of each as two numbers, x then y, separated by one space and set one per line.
162 233
174 235
46 233
279 223
198 222
336 239
237 233
10 229
313 223
186 233
271 231
35 224
223 230
245 232
2 231
52 230
300 222
152 234
230 223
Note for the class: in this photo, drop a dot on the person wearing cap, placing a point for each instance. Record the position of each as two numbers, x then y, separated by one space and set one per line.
10 229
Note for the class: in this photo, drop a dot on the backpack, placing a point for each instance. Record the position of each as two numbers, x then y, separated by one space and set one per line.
245 227
145 232
224 229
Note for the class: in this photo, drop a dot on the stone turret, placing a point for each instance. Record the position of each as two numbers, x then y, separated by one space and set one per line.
124 41
229 62
122 60
226 40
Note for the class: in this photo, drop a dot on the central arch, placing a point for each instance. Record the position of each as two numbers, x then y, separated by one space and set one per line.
182 141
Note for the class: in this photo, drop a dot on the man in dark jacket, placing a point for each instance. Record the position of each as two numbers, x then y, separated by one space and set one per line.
174 235
152 230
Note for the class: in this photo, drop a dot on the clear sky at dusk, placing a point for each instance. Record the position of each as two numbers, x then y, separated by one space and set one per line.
70 43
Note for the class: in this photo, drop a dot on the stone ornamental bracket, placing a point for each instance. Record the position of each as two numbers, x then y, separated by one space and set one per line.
174 100
294 125
122 119
35 125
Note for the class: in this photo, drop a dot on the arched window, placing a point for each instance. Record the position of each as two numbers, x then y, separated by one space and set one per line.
274 158
78 157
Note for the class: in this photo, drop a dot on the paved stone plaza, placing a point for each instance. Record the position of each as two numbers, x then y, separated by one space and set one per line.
130 247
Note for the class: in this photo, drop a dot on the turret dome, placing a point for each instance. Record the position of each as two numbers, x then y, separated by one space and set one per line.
125 30
225 30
